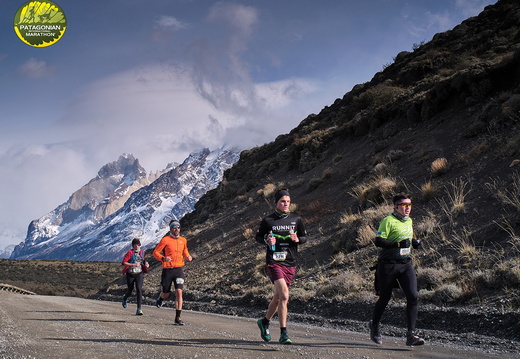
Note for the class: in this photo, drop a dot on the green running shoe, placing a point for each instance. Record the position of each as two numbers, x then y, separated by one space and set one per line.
284 339
264 331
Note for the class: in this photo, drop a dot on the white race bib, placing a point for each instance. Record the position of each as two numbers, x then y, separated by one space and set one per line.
135 270
404 251
279 256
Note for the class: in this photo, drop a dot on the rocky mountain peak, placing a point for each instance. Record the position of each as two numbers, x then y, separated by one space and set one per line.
126 165
122 202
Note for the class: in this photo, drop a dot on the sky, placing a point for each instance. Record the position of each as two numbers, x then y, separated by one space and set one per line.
160 79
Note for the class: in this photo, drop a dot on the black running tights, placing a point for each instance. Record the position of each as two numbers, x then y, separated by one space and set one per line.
137 281
404 273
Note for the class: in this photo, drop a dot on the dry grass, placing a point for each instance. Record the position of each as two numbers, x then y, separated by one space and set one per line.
440 166
515 239
508 194
366 235
380 169
268 191
431 278
427 225
446 293
455 202
428 190
507 273
247 233
468 252
345 285
339 260
472 155
374 191
348 219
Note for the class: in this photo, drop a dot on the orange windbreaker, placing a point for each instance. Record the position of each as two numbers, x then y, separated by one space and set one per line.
176 248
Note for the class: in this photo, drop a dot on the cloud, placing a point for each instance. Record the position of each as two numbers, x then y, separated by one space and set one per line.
165 27
219 72
157 114
239 18
170 23
151 111
33 68
37 178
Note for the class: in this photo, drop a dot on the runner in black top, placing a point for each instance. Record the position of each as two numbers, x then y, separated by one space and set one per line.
281 232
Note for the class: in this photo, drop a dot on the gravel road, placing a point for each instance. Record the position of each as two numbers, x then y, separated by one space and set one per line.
34 326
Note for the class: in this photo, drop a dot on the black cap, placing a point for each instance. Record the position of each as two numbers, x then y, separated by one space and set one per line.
280 194
136 241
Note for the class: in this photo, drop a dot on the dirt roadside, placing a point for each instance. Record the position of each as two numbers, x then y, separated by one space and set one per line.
33 326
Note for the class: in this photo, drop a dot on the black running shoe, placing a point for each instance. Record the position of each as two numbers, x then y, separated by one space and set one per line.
264 331
178 321
413 340
375 332
124 303
159 302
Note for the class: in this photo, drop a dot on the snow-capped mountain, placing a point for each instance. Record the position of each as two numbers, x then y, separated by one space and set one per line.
99 220
6 252
9 235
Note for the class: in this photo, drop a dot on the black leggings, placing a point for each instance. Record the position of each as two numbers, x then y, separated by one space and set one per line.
137 281
404 273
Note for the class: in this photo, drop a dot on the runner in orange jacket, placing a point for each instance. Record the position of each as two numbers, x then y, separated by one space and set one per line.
172 250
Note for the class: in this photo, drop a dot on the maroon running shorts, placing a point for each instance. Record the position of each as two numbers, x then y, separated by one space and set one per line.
278 271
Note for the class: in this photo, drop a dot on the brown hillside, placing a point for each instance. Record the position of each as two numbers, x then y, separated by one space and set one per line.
441 122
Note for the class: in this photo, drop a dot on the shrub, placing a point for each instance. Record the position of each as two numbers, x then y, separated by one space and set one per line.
506 274
247 233
439 166
345 284
314 184
365 235
431 278
468 253
375 191
446 293
349 218
507 194
473 154
456 204
428 190
267 191
380 169
426 226
339 260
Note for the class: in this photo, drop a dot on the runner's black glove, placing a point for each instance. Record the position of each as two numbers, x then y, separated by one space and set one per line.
405 243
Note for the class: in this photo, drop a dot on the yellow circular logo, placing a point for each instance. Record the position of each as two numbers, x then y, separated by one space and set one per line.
40 23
